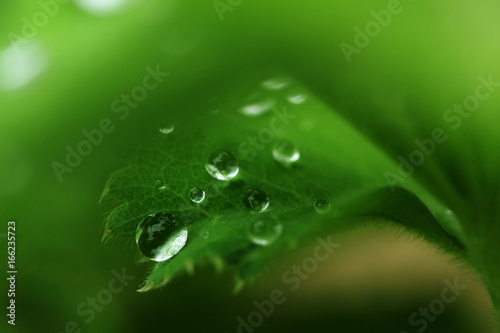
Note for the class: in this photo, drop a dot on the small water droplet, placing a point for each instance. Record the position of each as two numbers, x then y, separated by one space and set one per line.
160 236
256 200
265 230
285 152
451 215
450 222
258 108
205 234
277 82
167 129
297 98
197 195
222 165
160 185
322 206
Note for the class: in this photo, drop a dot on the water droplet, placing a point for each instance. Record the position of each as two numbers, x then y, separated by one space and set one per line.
285 152
257 109
450 222
277 83
322 206
256 200
265 230
205 234
160 236
167 129
160 185
222 165
197 195
450 215
296 98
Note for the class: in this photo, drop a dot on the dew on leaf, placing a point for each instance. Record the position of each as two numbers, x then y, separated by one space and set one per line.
167 129
277 82
256 200
205 234
196 195
264 230
257 103
222 165
322 206
296 98
257 109
160 185
160 236
285 152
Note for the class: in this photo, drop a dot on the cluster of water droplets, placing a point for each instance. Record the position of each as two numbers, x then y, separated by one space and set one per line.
269 93
160 236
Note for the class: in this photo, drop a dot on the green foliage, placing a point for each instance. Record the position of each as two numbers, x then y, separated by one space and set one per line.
337 163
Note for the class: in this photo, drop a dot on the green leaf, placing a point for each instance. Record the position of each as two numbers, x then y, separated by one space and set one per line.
337 164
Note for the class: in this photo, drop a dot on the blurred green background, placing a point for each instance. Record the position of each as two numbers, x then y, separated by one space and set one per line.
70 66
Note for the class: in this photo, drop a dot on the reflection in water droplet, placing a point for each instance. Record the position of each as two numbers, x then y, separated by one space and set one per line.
222 165
265 230
277 83
20 64
101 6
256 200
285 152
160 236
197 195
160 185
322 206
167 129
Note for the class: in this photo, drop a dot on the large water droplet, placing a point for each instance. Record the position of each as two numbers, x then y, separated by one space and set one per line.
160 236
160 185
167 129
285 152
277 82
256 200
222 165
322 206
265 230
197 195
